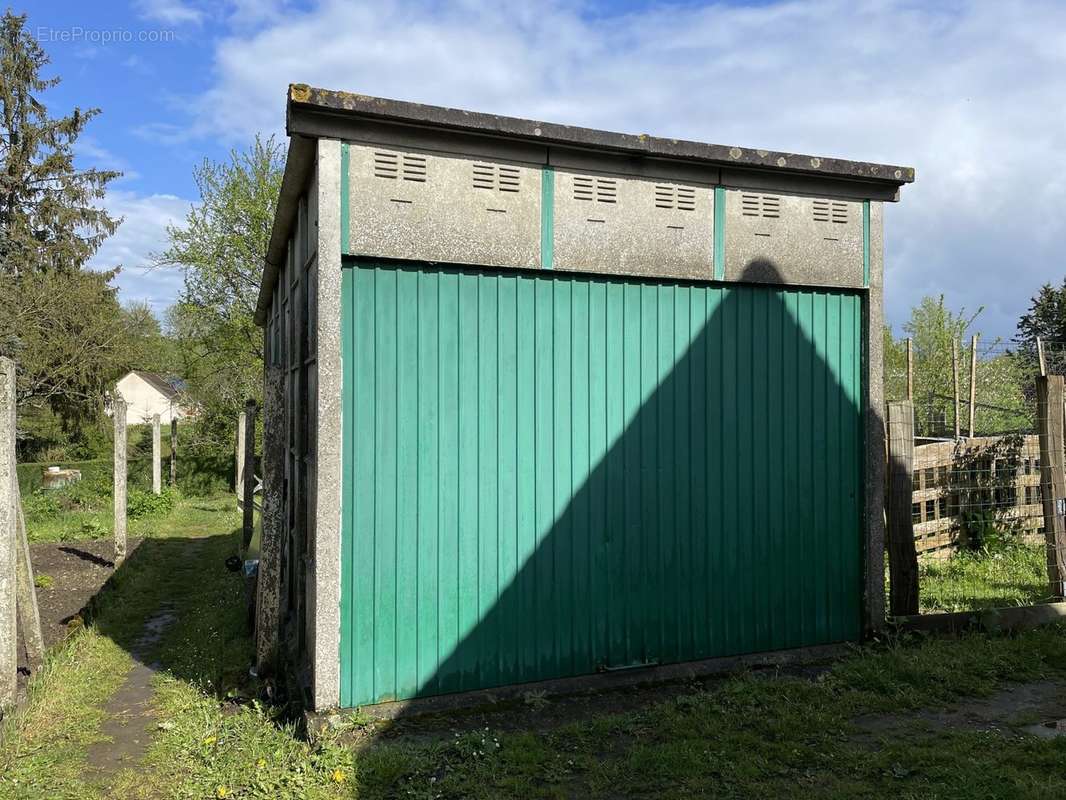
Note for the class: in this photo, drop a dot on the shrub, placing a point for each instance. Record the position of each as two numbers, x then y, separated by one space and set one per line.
140 504
40 505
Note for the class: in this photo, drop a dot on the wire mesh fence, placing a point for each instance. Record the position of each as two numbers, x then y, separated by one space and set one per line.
984 459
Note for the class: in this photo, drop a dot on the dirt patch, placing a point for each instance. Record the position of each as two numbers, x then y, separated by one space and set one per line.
1013 710
77 570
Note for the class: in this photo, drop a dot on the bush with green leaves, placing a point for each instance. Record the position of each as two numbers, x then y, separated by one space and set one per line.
140 504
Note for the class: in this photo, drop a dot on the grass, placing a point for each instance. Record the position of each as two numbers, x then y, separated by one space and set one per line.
748 735
972 581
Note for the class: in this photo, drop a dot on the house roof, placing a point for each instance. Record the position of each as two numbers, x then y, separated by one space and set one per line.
157 382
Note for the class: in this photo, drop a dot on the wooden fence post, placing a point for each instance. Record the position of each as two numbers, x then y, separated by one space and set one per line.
973 382
238 460
248 482
955 380
1049 413
8 537
157 457
269 580
902 558
120 480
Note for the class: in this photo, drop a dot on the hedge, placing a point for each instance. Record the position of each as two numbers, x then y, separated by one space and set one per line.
198 475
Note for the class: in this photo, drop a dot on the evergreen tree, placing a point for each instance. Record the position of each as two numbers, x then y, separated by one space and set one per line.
48 220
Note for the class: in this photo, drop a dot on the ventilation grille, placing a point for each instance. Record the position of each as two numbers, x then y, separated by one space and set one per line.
683 198
496 177
602 190
760 205
830 211
408 166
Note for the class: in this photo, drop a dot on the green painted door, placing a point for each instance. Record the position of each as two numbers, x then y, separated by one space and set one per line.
546 475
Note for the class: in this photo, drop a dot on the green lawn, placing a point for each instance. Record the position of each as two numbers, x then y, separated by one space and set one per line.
967 581
749 735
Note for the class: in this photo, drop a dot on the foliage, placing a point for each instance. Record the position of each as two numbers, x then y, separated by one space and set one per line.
1045 319
1003 404
42 581
221 249
71 338
140 503
1009 573
48 217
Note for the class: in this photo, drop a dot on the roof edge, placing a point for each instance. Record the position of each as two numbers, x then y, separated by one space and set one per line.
302 96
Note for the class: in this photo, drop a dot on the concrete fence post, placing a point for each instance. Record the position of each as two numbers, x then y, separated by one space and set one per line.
248 482
120 480
902 557
173 450
8 537
157 457
29 618
269 589
238 461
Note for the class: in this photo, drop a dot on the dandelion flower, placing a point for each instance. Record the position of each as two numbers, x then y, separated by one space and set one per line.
211 740
338 776
221 791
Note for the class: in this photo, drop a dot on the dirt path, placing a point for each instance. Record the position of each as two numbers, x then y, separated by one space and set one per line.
1032 708
129 720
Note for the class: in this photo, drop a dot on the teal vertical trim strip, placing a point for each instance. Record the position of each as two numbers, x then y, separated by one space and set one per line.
866 243
547 217
345 238
719 233
347 477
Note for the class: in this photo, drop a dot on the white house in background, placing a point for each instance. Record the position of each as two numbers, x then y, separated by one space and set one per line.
149 393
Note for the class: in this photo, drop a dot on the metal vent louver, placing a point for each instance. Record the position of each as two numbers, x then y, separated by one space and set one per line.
497 177
408 166
683 198
602 190
760 205
831 211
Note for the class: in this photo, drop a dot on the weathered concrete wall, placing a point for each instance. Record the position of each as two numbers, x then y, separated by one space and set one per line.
781 238
442 207
626 225
324 587
875 428
8 537
273 520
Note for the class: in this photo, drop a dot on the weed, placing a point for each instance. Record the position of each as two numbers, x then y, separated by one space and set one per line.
42 581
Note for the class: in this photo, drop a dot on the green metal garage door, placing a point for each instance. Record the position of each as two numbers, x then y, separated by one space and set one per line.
546 475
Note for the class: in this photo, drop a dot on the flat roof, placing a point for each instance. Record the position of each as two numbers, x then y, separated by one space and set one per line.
348 104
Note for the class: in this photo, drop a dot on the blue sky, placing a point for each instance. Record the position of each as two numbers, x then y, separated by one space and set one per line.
969 93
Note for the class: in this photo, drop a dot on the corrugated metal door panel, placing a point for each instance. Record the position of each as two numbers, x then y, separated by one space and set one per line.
546 475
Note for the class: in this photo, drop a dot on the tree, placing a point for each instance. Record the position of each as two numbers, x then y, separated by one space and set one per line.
1046 320
1002 404
70 336
221 248
48 219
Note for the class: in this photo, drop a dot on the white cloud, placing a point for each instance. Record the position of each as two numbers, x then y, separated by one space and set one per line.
170 12
967 92
142 234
